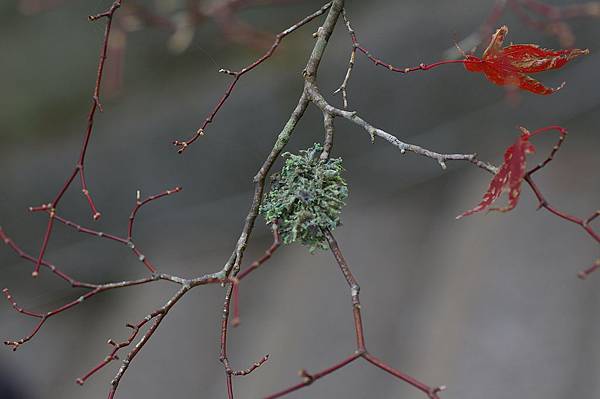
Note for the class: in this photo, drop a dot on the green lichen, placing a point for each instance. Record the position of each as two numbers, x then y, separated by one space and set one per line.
306 197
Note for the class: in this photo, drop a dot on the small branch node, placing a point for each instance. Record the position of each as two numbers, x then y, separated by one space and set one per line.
181 144
439 389
228 72
584 274
591 218
97 103
307 378
542 203
14 345
372 133
250 369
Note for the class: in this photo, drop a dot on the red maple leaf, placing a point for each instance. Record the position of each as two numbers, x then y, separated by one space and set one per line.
509 176
510 65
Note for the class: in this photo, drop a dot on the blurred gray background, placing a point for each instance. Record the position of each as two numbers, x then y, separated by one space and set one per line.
489 305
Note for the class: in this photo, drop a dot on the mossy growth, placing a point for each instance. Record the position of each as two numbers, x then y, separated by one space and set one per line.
306 197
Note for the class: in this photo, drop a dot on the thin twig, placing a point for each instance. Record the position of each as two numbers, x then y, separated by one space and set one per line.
361 350
441 158
232 267
79 167
344 86
231 274
182 145
378 62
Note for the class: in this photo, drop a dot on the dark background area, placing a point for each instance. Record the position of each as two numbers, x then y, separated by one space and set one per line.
489 305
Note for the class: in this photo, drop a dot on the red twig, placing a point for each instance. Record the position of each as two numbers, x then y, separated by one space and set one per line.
45 240
128 240
135 329
140 203
585 273
186 284
543 203
43 317
94 288
308 378
585 223
79 167
158 315
229 371
182 145
251 368
356 46
8 241
361 350
421 67
228 276
232 294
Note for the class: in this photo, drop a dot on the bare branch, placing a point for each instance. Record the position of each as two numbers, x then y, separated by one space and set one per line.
231 273
182 145
361 350
441 158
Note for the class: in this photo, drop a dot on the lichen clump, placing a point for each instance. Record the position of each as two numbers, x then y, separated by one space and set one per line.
306 197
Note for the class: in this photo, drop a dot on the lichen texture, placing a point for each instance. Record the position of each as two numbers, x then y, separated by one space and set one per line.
306 197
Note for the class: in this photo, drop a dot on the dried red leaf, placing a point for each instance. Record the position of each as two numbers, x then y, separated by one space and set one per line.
510 65
509 176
